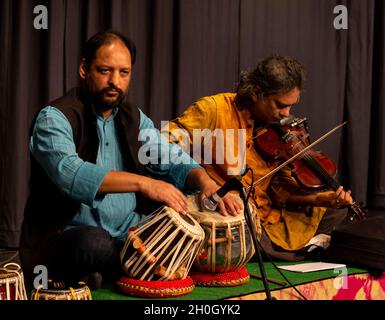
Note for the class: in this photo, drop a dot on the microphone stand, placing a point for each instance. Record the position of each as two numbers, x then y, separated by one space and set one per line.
249 220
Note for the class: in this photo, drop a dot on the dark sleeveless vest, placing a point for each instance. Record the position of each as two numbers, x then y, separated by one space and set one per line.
48 210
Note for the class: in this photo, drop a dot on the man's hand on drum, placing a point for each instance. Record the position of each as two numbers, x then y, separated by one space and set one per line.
228 205
199 179
164 192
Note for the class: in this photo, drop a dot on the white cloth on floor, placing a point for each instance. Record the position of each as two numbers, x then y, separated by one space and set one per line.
320 240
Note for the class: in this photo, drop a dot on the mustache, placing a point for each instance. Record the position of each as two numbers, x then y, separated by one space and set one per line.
112 86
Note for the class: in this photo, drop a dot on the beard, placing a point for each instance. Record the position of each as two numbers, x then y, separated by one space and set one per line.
106 98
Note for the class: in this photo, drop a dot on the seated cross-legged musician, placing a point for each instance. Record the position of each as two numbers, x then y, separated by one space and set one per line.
87 172
265 95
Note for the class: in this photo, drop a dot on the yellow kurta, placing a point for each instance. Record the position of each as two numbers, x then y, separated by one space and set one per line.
290 230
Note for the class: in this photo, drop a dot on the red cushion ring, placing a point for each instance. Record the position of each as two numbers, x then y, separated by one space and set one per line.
155 289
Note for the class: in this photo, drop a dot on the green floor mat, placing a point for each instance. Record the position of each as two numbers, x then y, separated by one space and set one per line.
108 291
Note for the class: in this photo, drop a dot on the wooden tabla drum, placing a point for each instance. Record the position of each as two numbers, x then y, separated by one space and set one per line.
162 247
62 291
227 247
12 283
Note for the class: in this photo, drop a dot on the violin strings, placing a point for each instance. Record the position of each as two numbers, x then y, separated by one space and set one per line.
314 164
323 174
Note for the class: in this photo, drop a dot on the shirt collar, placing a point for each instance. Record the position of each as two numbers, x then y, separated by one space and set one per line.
111 117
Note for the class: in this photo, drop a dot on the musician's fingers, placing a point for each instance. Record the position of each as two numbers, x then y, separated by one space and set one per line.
181 198
222 208
234 204
339 191
177 207
239 205
343 197
230 206
348 197
178 201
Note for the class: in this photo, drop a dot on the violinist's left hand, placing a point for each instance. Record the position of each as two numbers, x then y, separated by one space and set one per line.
338 199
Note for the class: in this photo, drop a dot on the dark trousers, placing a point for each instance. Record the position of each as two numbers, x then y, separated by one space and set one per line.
80 251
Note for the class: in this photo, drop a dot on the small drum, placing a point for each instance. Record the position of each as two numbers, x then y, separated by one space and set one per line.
162 247
228 244
12 283
61 291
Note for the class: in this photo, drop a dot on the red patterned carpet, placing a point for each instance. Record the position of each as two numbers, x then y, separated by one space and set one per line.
352 287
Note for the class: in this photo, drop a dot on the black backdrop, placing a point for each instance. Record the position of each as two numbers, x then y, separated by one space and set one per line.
191 48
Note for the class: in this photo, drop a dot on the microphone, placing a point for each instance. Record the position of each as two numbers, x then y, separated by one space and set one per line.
286 121
292 121
210 203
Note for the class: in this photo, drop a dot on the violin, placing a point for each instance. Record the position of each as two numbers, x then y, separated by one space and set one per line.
313 170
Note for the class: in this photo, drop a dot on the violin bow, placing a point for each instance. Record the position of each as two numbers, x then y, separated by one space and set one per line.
297 155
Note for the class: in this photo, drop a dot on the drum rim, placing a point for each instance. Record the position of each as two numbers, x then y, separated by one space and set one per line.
83 291
207 218
194 230
7 274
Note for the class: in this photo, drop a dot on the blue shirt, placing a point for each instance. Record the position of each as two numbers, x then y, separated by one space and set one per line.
53 147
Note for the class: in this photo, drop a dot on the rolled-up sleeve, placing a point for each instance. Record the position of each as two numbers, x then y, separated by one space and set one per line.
162 159
53 147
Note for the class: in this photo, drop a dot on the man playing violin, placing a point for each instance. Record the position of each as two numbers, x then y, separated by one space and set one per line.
291 217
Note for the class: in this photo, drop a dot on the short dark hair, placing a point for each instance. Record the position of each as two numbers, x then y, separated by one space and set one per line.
275 74
106 37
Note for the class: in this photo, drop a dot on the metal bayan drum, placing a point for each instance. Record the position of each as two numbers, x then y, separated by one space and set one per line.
61 291
162 247
12 283
228 244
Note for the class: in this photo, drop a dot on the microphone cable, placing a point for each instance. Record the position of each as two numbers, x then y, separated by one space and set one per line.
252 191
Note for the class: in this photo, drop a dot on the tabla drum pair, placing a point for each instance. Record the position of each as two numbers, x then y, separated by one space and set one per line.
12 282
161 250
